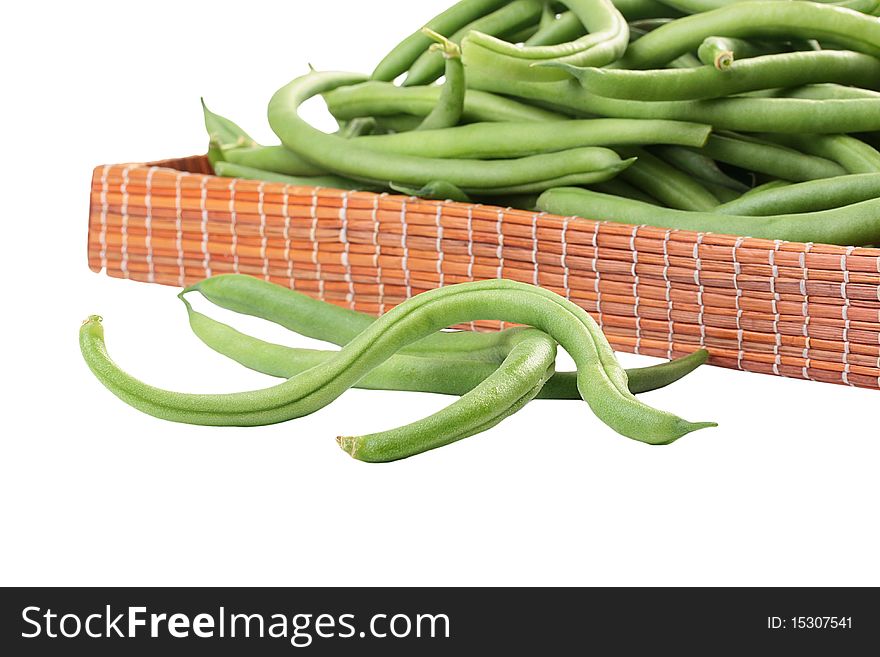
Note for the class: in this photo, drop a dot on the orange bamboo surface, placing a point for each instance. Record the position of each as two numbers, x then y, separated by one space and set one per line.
802 310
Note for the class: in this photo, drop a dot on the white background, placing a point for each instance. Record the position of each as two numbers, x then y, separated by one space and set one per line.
784 492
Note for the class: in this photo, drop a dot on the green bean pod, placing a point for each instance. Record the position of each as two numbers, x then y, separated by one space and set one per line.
272 158
504 392
667 184
810 196
757 18
722 52
511 140
451 373
302 314
768 158
606 41
511 17
767 72
782 115
349 159
855 224
222 134
853 155
700 6
402 56
450 104
436 190
351 100
601 380
230 170
699 166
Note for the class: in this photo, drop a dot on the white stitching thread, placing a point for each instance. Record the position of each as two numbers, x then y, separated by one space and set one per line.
313 236
123 264
203 206
105 208
148 225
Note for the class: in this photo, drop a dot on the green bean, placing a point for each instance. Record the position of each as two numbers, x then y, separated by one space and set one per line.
383 98
523 35
776 20
850 225
601 380
272 158
687 60
700 166
449 363
770 184
699 6
504 392
768 158
853 155
721 52
403 55
511 17
606 42
437 190
450 104
395 123
667 184
722 193
230 170
634 10
348 158
825 92
619 187
767 72
223 133
567 27
506 140
783 115
811 196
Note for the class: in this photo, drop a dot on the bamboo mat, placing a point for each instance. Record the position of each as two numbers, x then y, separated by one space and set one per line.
808 311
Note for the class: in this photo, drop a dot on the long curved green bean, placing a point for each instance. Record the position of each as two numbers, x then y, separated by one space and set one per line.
699 6
766 72
347 158
272 158
230 170
700 166
504 392
824 92
372 98
450 103
519 139
606 41
768 158
783 115
510 17
853 155
810 196
601 380
757 18
403 55
567 27
667 184
448 374
302 314
855 224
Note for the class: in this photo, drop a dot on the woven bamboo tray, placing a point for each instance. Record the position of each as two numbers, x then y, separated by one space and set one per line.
808 311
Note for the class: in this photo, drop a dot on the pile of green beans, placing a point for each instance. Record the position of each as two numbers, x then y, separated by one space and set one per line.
684 105
494 375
